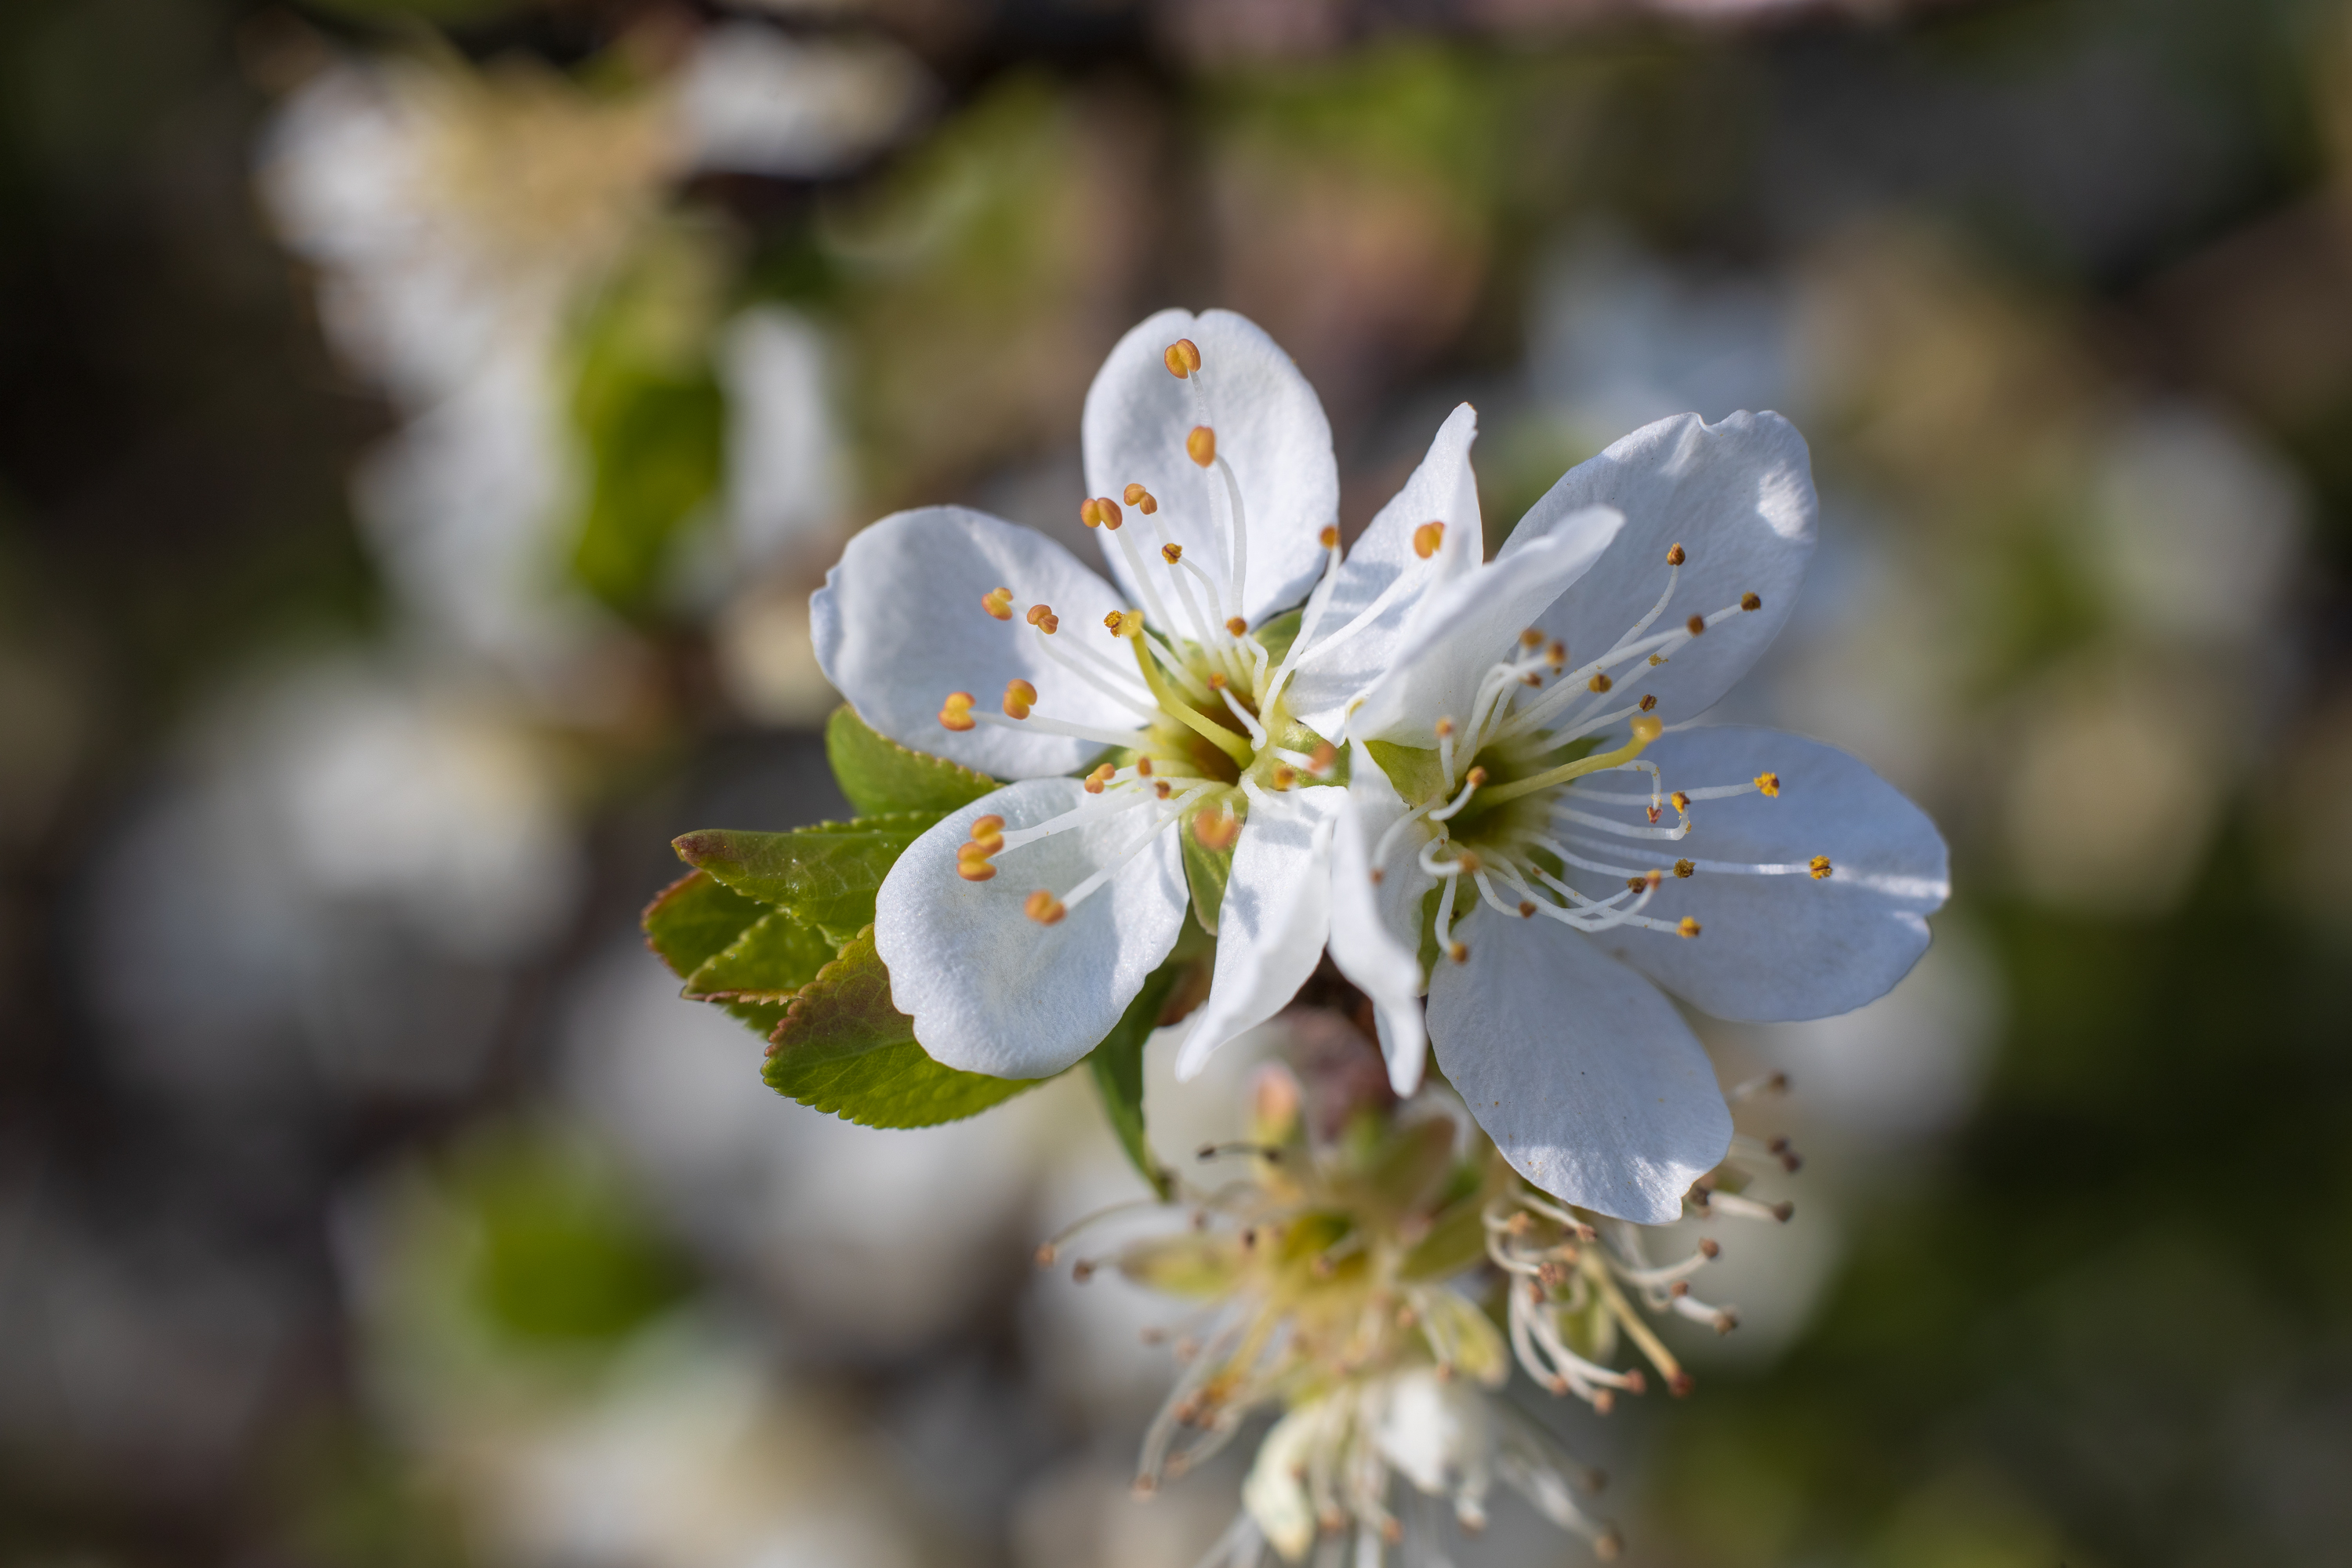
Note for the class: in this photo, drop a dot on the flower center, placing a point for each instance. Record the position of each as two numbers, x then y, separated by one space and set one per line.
1510 802
1204 689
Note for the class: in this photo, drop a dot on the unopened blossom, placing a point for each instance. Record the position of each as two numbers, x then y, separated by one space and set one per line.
1183 695
1536 839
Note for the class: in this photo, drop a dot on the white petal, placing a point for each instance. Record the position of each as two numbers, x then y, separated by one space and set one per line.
1443 490
898 625
1270 430
1585 1077
1458 632
990 989
755 99
1785 946
1736 496
1276 914
1376 926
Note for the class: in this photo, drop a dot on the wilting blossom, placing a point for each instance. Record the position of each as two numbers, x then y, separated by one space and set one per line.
1537 839
1017 930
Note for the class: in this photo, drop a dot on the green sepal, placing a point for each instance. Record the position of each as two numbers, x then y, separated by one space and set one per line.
842 1048
1206 872
1118 1065
879 775
827 875
695 918
1413 770
1276 634
770 961
1456 1241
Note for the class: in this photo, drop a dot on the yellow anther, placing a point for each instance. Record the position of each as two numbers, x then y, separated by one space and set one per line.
1163 788
1654 878
1321 759
955 714
1459 951
1599 681
1043 907
1216 682
1696 624
1637 884
1427 538
973 855
1100 777
1555 655
1123 622
1768 784
1648 703
974 871
997 602
1107 510
1820 866
1091 512
1682 801
988 833
1531 679
1330 538
1684 867
1688 927
1171 554
1474 777
1674 556
1216 827
1043 617
1141 499
1143 767
1038 613
1182 357
1018 695
1235 625
1657 659
1526 909
1751 601
1444 727
1646 727
1531 639
1283 777
1200 445
1470 863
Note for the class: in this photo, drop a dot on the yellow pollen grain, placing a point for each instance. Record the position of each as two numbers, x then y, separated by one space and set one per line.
1427 539
1555 655
1216 682
1696 624
1674 556
1682 801
1821 867
1019 696
1637 883
997 602
1200 445
1688 927
955 714
1171 554
1684 867
1043 908
1648 703
1458 951
1526 909
1655 661
1751 601
1163 788
1444 727
1328 539
1182 357
1599 681
1474 777
1470 863
1769 785
1235 625
1285 777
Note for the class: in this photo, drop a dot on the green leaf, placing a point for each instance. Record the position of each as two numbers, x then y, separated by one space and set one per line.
770 961
1117 1064
826 874
879 775
696 918
1206 871
843 1047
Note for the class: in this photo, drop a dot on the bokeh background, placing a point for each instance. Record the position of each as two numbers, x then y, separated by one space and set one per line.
420 426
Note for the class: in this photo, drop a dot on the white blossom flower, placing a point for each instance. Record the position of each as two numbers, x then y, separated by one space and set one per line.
1487 831
1017 930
